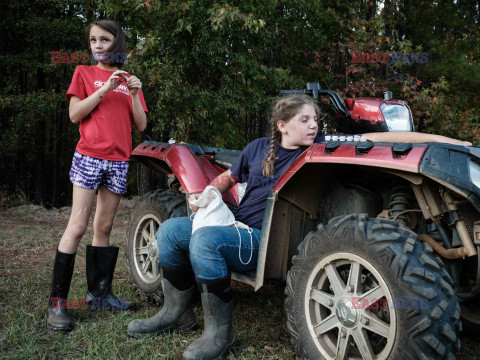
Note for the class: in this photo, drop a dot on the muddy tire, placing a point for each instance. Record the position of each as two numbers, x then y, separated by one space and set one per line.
141 242
363 288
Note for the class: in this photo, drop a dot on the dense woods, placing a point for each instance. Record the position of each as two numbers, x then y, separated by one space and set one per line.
210 70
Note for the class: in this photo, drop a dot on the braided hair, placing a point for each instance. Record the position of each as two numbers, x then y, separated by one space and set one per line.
284 109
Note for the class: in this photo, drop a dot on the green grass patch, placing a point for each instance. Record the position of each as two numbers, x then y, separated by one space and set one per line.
27 248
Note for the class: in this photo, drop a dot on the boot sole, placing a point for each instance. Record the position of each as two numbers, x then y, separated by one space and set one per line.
89 301
59 328
227 349
224 352
130 308
192 326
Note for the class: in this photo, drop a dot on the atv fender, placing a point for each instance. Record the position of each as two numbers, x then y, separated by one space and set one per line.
194 172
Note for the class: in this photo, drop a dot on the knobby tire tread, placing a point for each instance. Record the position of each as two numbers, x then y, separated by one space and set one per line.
430 333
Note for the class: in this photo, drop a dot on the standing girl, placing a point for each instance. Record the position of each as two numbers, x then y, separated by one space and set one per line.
105 101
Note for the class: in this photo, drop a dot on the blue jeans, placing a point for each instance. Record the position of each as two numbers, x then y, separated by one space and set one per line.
213 251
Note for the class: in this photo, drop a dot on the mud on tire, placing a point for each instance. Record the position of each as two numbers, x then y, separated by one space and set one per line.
141 245
366 288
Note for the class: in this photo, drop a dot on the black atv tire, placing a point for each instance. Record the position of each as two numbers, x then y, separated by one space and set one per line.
353 257
143 270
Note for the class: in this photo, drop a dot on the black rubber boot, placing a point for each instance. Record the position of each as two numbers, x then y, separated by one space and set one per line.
177 311
218 335
57 315
101 262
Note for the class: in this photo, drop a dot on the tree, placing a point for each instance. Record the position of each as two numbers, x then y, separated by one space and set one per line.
33 107
210 70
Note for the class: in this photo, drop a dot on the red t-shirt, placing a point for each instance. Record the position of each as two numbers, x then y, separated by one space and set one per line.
105 133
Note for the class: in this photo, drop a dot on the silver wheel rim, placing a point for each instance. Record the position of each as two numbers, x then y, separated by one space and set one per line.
145 248
340 322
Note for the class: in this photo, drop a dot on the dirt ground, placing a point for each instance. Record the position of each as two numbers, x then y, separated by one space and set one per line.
29 236
16 257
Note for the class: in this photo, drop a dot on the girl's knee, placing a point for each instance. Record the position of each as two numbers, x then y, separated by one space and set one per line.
104 228
202 241
171 237
77 230
205 257
165 228
165 234
173 226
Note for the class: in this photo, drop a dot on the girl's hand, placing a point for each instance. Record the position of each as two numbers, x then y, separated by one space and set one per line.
115 79
133 84
194 197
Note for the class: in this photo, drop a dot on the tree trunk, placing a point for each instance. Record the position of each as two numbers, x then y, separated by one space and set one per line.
56 162
144 175
372 9
39 145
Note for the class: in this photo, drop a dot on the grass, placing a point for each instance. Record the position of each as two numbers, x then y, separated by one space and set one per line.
27 246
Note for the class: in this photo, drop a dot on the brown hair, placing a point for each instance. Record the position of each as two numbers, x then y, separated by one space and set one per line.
118 50
285 108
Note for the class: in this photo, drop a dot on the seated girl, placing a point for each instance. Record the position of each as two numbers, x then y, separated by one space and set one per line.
209 255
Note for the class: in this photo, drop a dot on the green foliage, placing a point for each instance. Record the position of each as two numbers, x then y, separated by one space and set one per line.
22 137
210 69
213 68
34 137
442 92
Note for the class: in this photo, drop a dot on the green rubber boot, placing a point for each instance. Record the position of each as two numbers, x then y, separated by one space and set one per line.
176 314
218 335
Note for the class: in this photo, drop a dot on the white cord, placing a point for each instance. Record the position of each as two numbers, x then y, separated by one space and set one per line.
250 231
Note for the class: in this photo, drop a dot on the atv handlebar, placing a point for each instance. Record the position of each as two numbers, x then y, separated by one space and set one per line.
313 89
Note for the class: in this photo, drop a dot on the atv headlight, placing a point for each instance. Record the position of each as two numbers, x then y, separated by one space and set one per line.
474 170
397 117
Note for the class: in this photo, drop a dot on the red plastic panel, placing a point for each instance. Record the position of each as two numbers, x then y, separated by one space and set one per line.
182 162
193 172
368 108
378 156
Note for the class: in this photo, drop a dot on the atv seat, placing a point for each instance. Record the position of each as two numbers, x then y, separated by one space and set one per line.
226 158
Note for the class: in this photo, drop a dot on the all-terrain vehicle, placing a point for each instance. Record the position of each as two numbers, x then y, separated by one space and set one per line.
378 242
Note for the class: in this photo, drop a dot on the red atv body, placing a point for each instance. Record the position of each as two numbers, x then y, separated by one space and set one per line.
377 242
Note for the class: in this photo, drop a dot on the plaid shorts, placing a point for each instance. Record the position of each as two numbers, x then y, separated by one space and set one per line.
91 173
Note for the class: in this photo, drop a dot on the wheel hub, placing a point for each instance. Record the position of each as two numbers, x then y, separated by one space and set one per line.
152 250
345 312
